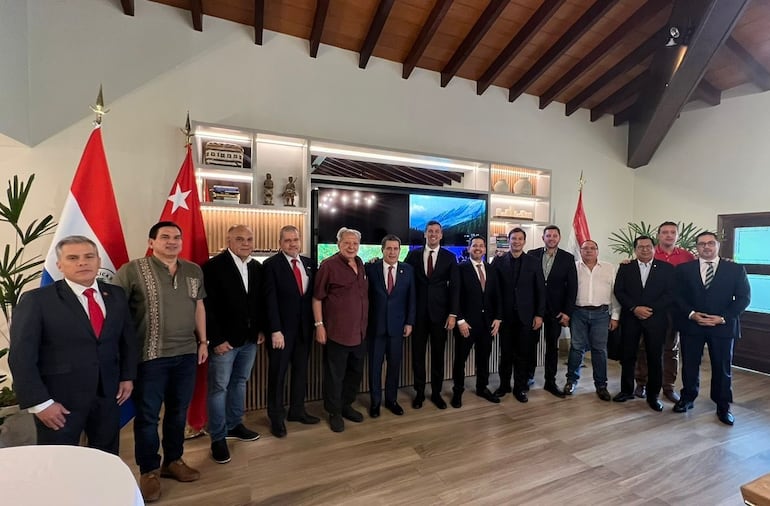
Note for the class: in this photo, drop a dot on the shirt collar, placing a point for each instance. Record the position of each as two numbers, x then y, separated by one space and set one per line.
79 289
237 259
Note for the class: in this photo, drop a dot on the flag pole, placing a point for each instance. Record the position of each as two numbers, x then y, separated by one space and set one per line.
187 131
98 108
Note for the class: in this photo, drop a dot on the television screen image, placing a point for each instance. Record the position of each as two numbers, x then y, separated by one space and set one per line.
460 217
750 245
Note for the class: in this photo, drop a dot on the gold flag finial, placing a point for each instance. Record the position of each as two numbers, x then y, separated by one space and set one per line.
99 109
187 131
581 182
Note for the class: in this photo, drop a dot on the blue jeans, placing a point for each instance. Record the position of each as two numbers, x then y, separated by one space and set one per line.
228 374
165 381
589 330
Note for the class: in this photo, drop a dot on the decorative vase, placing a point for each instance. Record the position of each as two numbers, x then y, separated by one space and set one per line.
523 186
501 186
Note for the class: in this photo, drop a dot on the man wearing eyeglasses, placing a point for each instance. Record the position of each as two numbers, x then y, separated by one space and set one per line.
711 294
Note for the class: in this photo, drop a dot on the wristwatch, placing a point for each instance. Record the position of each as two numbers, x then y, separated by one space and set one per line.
203 342
318 324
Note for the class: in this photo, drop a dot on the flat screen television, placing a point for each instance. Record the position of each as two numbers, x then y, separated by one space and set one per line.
376 212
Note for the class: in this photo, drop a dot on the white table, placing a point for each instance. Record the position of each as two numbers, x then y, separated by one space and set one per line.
65 475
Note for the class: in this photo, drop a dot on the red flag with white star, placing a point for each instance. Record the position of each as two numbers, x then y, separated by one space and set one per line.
183 207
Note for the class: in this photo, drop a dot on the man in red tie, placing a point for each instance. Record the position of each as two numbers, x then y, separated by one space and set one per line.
288 280
73 354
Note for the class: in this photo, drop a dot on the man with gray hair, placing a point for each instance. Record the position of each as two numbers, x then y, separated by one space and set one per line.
340 308
73 352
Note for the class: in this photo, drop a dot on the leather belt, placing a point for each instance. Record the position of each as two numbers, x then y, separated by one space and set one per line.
604 307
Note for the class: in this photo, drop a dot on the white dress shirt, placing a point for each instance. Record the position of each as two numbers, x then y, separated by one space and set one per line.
596 287
425 255
644 270
243 268
301 267
704 267
385 267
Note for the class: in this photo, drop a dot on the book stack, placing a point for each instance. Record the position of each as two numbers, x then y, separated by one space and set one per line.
225 194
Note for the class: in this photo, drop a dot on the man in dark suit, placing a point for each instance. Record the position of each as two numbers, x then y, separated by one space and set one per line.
234 326
288 295
391 319
644 289
560 290
73 352
711 295
478 321
437 282
523 288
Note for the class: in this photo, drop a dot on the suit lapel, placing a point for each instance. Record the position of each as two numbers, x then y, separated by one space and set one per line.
234 272
71 302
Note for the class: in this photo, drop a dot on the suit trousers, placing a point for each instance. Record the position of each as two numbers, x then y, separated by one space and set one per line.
382 348
721 356
99 419
343 370
295 353
653 337
670 360
515 349
483 343
437 334
551 334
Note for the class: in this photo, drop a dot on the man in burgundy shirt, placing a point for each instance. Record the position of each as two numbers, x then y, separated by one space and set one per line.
667 251
340 309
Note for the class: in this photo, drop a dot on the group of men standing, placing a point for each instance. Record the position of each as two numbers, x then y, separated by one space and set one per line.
81 348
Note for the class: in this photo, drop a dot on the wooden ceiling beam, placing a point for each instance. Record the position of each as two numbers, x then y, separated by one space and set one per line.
707 24
754 70
259 21
128 7
196 9
435 18
630 88
375 30
634 58
624 115
517 43
638 18
319 20
707 93
577 30
482 26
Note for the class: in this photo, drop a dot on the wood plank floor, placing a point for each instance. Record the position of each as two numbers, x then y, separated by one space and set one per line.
576 451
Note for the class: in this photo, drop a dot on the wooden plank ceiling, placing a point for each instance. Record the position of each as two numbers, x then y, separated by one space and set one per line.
608 56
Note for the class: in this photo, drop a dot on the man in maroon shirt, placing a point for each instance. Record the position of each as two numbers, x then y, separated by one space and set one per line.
667 251
340 309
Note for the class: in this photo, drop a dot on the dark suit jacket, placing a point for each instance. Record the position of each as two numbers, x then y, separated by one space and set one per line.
524 296
439 295
561 284
658 293
287 310
389 313
728 296
232 314
479 308
56 355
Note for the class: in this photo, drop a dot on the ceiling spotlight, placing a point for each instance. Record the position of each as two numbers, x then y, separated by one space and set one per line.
674 33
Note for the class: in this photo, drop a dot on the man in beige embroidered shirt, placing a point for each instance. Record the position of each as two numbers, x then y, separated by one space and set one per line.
165 295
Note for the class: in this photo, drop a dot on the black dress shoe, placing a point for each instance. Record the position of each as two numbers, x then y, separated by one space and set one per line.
418 400
278 429
457 400
374 410
438 401
623 397
500 392
352 415
682 406
521 396
394 408
336 423
486 394
603 394
554 390
304 418
726 417
655 404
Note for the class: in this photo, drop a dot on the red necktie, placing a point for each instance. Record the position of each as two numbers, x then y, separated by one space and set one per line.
297 275
482 278
390 280
94 312
430 263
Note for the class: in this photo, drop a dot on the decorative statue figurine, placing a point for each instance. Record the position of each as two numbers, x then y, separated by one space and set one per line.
289 193
268 190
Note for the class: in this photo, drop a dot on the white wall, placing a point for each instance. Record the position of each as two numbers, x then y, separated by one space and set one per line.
14 119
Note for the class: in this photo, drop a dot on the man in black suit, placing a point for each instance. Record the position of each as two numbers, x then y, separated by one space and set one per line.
437 282
523 288
478 321
644 289
234 326
288 295
560 290
391 319
711 295
73 352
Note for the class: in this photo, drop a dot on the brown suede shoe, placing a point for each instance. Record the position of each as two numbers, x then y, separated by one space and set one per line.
179 471
149 485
